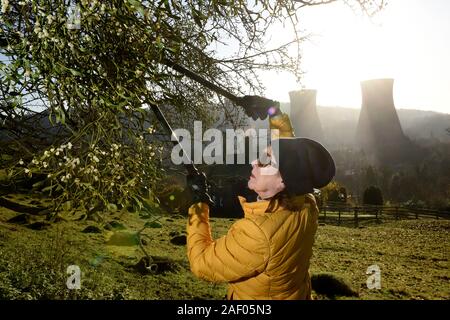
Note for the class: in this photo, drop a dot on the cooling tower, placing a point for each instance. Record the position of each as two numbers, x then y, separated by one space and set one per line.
379 132
304 117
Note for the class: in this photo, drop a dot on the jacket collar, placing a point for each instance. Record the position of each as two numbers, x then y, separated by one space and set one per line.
253 208
258 208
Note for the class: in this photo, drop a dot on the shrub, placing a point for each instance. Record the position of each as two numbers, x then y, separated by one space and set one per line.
373 196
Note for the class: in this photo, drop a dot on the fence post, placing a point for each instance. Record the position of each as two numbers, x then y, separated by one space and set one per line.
356 216
417 215
325 214
339 217
396 213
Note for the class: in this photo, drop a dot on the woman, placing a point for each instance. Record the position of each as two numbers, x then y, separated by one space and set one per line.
266 254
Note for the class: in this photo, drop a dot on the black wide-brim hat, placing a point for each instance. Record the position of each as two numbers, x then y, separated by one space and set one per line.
304 164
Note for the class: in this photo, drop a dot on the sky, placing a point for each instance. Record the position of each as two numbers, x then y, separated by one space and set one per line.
409 41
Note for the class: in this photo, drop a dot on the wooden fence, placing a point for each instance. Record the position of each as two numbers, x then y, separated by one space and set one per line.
341 212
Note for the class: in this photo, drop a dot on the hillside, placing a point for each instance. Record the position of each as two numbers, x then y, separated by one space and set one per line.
419 124
412 256
339 124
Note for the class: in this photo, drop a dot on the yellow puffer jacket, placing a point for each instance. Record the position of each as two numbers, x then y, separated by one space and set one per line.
264 255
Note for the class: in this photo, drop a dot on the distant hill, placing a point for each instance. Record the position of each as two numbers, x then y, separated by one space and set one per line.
339 124
419 124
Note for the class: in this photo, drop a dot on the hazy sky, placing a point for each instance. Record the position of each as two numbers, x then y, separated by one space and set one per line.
409 41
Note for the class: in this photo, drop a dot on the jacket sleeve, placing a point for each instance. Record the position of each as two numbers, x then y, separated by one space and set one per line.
242 252
283 124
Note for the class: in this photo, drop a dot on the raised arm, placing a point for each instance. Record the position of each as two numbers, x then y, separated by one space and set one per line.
242 252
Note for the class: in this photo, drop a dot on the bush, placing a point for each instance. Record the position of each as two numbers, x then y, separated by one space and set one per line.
334 192
373 196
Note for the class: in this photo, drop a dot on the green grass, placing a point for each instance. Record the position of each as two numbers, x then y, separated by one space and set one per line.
412 255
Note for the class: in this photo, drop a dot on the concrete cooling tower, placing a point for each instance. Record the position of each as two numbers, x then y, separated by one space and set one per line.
304 117
379 132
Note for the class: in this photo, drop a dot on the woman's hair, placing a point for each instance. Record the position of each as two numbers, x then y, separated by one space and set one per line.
285 200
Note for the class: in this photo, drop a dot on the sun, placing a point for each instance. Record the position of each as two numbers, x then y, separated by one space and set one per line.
344 50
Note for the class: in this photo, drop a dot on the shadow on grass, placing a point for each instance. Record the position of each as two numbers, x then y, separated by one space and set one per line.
332 285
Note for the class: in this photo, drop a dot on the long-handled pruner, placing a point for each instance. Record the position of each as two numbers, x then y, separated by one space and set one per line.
189 165
255 106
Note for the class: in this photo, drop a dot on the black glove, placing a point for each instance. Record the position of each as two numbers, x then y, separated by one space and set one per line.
199 188
259 107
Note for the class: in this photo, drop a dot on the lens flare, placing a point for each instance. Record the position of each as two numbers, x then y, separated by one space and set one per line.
271 111
96 261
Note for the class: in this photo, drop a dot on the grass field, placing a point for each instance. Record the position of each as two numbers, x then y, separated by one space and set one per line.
412 256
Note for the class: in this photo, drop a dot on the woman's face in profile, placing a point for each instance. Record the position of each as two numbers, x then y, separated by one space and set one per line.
265 178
